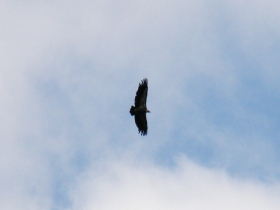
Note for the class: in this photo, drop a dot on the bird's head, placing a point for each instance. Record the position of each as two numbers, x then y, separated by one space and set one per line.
148 111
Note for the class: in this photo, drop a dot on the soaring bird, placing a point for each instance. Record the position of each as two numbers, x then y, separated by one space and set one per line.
140 109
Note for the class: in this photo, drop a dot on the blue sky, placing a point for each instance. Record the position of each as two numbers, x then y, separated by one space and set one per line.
69 73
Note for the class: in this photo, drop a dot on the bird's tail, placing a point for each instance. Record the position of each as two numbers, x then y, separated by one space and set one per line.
132 110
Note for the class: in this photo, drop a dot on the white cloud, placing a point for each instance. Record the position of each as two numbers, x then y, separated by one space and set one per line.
130 185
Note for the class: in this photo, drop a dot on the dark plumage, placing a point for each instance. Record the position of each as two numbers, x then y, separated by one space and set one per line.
140 109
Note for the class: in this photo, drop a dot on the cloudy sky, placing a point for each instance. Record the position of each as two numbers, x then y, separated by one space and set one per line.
69 73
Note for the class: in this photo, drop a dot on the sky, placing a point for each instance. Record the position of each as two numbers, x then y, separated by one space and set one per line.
69 73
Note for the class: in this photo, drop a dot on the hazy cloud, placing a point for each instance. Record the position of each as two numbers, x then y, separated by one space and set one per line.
69 72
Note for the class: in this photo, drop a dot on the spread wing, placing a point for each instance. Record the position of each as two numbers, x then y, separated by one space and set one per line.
141 122
141 94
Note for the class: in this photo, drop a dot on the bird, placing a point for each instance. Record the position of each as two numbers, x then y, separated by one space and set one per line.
139 109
